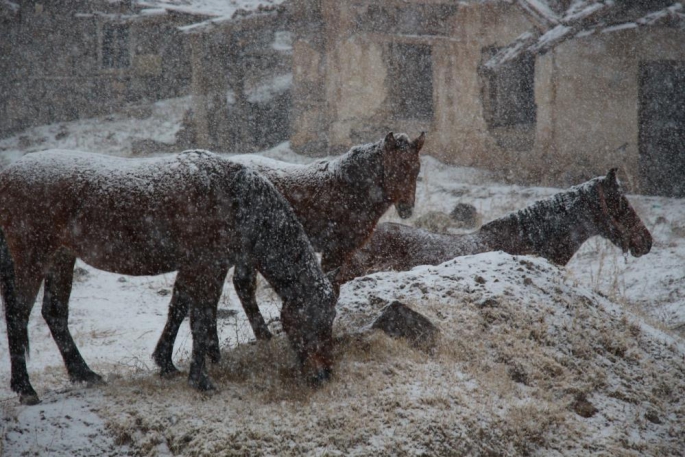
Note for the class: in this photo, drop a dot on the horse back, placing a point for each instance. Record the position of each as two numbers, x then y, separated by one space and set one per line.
400 247
150 212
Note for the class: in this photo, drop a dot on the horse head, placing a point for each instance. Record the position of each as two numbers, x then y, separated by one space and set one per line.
401 166
618 221
309 326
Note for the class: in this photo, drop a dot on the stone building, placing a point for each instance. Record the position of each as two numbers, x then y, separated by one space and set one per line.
241 80
67 59
548 92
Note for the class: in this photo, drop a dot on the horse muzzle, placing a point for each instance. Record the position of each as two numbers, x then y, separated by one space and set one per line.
317 370
640 243
405 210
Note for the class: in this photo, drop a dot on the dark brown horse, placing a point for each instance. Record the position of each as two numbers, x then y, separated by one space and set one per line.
195 213
554 228
338 202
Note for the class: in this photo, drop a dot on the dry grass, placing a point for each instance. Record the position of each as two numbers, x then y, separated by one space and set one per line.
508 378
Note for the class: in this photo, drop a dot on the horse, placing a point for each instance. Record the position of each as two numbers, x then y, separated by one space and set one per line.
337 201
553 228
195 213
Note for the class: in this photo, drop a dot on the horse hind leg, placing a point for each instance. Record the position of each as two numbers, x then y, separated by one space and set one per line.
20 286
245 283
58 283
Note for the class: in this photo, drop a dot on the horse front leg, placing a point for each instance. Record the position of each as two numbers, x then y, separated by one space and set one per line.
245 283
58 283
178 310
204 289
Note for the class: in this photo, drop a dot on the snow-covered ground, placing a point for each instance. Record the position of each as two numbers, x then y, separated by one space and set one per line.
527 349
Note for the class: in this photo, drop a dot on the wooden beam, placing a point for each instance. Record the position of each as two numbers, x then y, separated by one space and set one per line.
672 13
539 12
513 50
576 23
584 11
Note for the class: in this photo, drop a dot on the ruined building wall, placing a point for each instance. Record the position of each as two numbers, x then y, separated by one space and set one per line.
588 94
64 64
584 95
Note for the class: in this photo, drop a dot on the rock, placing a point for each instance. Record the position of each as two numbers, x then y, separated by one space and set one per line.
399 321
463 216
80 274
583 407
223 313
488 302
434 221
653 417
466 214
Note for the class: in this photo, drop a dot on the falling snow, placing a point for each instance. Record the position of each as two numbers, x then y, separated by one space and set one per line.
533 358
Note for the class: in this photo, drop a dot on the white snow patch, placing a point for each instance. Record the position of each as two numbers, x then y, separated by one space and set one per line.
283 41
217 8
271 88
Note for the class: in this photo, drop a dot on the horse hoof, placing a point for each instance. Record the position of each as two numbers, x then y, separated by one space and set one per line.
90 379
263 335
29 399
320 377
215 356
95 380
169 372
203 384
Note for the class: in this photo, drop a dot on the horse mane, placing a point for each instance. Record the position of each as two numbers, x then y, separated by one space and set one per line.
361 156
566 216
356 161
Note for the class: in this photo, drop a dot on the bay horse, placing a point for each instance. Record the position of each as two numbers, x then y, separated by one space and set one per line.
195 213
553 228
337 201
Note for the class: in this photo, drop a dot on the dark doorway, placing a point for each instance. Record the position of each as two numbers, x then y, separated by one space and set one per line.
411 81
509 93
662 128
115 48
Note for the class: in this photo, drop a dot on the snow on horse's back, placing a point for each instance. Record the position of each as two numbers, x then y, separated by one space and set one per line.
196 213
338 202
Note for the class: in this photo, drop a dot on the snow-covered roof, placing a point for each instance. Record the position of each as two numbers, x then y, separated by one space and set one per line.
583 18
219 11
8 9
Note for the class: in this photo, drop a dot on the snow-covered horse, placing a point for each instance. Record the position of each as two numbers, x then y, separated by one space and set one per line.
337 201
195 213
553 228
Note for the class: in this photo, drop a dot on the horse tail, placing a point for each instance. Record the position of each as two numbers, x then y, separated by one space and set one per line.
7 289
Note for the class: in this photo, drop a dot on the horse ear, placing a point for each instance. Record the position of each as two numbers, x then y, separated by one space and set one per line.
611 176
418 143
389 141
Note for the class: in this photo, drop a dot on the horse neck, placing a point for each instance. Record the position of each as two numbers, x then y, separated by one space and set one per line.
554 228
360 174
